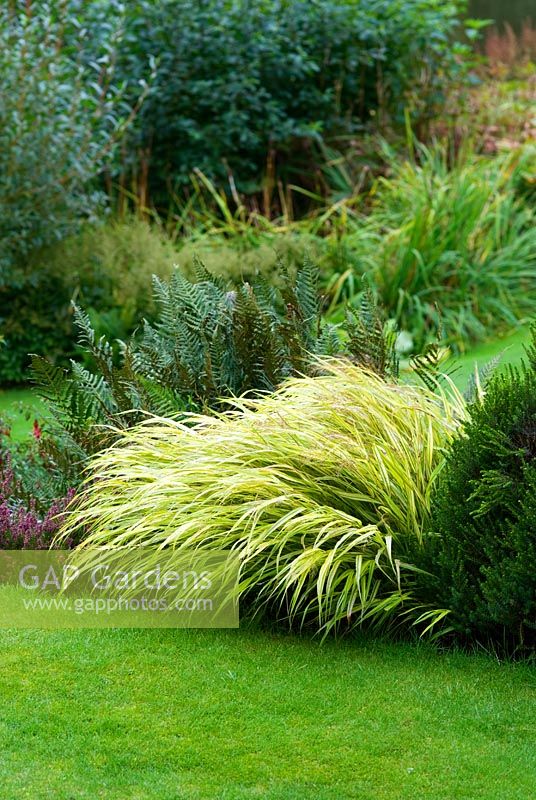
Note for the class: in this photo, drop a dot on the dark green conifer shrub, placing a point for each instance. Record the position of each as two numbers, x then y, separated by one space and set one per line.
481 551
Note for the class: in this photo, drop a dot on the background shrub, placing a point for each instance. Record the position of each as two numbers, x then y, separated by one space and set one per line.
247 85
481 552
107 267
35 316
238 259
59 121
111 267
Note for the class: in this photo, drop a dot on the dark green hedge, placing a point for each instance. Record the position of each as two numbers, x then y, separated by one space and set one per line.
240 78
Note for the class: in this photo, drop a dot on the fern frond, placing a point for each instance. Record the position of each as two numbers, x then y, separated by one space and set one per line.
480 378
329 342
428 365
371 340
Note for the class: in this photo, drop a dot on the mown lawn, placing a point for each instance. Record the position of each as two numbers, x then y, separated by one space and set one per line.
19 407
511 350
230 715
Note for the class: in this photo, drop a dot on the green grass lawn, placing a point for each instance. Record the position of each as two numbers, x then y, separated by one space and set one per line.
20 407
230 715
511 348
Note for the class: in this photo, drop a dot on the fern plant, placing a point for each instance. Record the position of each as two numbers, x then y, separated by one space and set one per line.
87 408
372 341
210 342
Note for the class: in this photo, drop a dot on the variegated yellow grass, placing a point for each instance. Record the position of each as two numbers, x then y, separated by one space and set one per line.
320 488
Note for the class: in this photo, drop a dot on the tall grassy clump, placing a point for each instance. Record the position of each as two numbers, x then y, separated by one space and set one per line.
480 552
452 245
320 489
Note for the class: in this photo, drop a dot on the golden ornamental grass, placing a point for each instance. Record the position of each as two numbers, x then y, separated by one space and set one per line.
320 489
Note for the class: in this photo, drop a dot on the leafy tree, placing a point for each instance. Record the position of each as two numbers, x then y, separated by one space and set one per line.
60 118
249 86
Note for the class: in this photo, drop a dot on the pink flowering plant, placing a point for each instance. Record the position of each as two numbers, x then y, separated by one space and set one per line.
30 514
